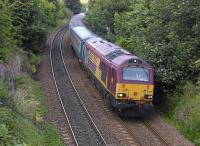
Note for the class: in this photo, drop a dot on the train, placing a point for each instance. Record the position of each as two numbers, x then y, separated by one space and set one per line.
125 80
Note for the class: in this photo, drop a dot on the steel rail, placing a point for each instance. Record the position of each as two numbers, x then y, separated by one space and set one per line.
71 82
80 99
58 93
155 132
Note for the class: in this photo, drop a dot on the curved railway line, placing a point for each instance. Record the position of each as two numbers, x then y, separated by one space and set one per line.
125 125
80 119
83 128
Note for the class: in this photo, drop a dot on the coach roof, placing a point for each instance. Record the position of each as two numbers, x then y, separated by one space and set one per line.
83 32
77 20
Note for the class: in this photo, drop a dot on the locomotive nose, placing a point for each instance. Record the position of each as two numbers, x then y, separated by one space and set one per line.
135 92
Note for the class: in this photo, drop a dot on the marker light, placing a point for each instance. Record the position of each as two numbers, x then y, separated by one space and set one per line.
121 95
148 96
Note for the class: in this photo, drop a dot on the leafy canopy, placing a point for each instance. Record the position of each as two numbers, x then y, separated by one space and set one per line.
73 5
164 32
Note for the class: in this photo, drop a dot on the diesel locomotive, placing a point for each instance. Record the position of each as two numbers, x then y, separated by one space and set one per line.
125 80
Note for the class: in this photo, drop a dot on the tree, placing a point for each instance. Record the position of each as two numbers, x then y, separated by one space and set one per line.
7 41
73 5
100 17
33 17
166 34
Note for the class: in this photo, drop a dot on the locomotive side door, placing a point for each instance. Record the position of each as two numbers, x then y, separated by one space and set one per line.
112 79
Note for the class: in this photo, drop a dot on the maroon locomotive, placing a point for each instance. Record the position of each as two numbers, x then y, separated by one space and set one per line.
123 78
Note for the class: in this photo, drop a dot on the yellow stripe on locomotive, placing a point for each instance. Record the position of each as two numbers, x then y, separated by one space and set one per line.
140 93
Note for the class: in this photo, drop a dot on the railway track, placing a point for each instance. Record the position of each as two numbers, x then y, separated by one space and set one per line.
128 126
148 125
139 127
82 126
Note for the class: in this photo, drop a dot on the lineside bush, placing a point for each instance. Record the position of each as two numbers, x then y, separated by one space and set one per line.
23 29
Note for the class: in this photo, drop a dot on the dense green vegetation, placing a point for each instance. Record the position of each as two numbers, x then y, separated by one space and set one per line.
100 17
73 5
166 33
24 24
184 114
23 29
22 120
7 33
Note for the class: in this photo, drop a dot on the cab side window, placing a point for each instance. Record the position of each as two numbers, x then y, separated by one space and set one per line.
113 72
113 75
104 72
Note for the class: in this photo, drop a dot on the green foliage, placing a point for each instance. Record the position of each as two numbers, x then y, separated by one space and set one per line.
163 32
63 11
8 130
24 24
34 107
17 130
73 5
166 34
33 17
100 16
7 41
43 135
29 98
3 94
197 63
51 137
35 59
184 112
24 124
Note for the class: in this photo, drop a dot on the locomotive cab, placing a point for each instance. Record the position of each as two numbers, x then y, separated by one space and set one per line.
135 83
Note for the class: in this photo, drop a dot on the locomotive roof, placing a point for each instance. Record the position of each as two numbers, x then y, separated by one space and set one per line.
83 32
105 48
112 52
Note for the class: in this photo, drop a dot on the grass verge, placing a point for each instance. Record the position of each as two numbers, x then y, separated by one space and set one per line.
184 112
43 135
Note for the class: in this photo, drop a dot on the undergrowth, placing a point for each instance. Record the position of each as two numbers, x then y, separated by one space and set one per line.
29 98
184 112
21 121
22 115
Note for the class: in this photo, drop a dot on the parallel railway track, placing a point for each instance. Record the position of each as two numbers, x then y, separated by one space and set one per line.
83 128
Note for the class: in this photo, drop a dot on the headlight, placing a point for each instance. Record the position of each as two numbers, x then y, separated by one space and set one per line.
121 95
148 96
